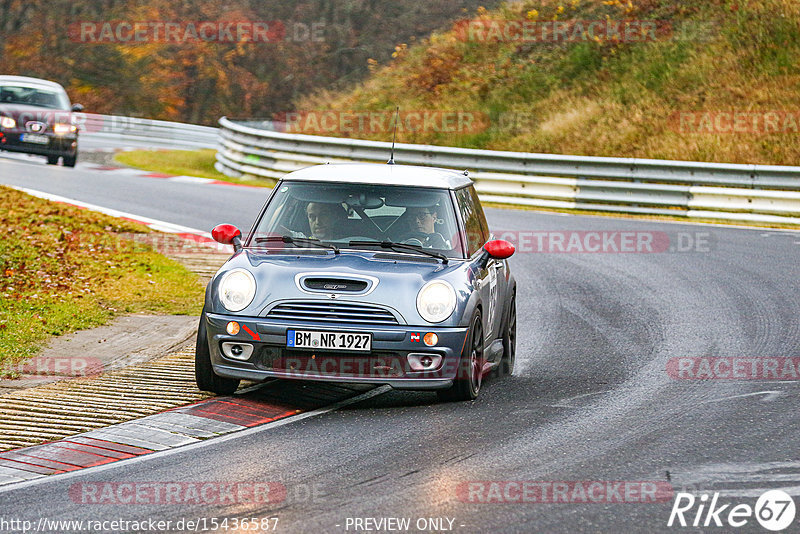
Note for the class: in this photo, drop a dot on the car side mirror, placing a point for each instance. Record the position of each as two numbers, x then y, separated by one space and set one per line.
77 108
228 234
499 249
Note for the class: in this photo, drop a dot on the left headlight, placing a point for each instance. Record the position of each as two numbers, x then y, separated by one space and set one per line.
7 122
64 129
436 301
237 289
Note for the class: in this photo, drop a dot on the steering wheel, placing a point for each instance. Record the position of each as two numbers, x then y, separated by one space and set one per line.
416 238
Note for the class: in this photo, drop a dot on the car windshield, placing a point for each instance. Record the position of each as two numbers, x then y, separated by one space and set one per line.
33 96
353 216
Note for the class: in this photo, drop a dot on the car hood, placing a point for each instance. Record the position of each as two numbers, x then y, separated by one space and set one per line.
398 279
22 113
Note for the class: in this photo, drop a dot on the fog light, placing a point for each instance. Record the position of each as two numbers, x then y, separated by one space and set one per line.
431 339
232 328
237 351
424 362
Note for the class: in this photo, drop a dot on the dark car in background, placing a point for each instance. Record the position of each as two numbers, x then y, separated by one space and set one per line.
36 117
365 273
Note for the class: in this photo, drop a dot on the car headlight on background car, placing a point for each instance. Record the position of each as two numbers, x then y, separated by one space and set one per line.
64 129
237 289
7 122
436 301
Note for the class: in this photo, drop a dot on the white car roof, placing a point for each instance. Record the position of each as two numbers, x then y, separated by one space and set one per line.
382 174
26 81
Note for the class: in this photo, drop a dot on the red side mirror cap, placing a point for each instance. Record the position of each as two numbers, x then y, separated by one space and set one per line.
499 249
225 233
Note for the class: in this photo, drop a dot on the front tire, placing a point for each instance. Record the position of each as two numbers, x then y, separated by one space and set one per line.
206 378
470 375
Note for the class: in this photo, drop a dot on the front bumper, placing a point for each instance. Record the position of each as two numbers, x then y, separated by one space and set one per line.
58 145
386 363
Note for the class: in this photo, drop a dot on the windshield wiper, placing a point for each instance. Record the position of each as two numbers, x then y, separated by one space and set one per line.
296 241
400 246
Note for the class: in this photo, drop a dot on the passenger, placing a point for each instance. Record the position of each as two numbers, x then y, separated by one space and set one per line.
326 220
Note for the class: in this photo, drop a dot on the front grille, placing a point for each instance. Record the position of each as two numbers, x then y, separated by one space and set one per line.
332 312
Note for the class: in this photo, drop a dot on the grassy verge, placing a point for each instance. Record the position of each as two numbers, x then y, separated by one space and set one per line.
649 98
64 269
181 162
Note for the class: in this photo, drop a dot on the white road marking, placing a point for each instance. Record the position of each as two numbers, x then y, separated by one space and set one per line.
708 478
770 396
190 180
155 224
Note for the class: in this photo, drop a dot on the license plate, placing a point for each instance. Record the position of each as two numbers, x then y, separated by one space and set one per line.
309 339
35 138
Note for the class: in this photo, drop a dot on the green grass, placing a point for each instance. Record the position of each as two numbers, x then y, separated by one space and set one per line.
64 269
181 162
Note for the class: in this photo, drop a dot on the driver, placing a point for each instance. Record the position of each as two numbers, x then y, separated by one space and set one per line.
326 220
423 227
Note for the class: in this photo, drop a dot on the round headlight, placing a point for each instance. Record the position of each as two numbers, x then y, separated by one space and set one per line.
237 289
436 301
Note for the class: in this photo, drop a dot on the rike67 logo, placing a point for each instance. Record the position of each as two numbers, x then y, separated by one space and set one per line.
774 511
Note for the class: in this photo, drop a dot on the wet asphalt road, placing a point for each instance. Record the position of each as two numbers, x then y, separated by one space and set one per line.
591 399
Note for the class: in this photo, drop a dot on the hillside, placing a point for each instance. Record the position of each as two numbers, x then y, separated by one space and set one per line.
90 47
713 81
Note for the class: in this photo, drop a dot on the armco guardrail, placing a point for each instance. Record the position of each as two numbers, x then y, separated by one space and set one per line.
114 127
656 187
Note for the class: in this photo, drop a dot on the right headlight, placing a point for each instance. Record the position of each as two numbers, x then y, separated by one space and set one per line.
237 289
7 122
436 301
64 129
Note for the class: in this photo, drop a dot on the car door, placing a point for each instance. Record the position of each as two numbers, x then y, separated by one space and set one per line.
486 277
496 277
